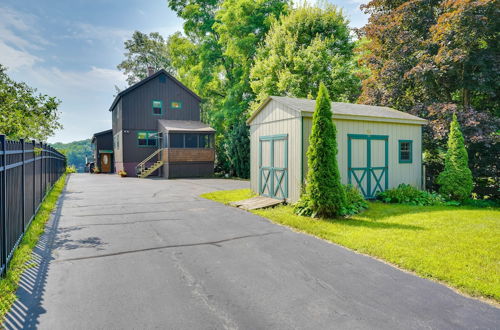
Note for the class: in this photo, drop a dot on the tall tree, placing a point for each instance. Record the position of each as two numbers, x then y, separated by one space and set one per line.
433 58
324 191
456 179
309 45
145 51
24 113
224 36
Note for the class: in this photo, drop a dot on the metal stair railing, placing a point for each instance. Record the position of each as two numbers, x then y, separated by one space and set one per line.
141 167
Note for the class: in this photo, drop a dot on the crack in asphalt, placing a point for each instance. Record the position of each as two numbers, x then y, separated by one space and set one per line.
215 243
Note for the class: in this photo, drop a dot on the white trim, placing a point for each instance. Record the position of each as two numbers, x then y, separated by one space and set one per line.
371 119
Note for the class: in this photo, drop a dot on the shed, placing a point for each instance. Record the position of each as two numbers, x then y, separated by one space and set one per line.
378 147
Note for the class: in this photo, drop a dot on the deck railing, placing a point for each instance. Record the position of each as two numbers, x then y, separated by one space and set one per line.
27 172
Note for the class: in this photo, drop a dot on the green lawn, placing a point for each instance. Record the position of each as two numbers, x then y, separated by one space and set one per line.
22 256
456 245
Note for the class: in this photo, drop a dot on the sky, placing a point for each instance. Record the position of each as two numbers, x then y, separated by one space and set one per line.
70 49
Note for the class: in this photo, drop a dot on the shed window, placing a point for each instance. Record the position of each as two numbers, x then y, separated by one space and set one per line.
405 151
176 105
147 139
157 107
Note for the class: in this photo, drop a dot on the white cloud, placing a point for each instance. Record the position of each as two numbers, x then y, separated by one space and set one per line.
95 32
15 59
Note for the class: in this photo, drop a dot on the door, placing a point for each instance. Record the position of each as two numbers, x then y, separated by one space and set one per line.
367 159
273 166
105 163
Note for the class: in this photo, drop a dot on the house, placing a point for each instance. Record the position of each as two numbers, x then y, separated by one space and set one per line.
378 147
157 131
102 148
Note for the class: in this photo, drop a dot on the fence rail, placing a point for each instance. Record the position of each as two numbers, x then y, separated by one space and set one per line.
27 172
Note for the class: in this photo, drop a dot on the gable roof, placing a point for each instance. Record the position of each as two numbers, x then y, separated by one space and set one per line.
145 80
342 110
184 126
108 131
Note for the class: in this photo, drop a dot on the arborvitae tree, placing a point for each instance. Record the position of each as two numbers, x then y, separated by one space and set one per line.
456 179
324 192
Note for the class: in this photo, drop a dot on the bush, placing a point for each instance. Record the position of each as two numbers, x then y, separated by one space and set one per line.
325 195
481 203
456 179
406 194
70 169
354 203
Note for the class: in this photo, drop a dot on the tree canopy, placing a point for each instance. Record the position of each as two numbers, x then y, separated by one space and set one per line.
145 51
435 58
301 49
24 113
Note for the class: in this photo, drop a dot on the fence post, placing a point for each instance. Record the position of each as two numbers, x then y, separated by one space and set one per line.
3 202
23 191
34 177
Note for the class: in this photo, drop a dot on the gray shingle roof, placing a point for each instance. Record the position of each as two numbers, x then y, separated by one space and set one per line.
351 109
185 126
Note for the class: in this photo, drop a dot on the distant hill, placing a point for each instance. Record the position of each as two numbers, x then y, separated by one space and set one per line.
76 152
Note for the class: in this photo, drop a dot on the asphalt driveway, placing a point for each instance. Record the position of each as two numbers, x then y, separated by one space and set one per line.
144 254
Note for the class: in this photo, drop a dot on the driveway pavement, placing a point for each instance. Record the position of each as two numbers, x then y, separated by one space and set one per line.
146 254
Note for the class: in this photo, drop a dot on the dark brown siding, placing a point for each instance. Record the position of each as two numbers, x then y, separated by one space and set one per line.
137 109
137 113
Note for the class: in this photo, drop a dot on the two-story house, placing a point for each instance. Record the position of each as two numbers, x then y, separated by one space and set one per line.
157 130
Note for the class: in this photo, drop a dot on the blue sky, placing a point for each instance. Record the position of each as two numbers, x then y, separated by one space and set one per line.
70 49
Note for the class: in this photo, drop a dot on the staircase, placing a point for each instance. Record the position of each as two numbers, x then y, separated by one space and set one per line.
143 171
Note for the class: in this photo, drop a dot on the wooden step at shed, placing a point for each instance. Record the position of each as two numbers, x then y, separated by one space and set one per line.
259 202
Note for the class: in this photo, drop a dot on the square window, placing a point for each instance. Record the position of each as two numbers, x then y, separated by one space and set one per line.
176 140
191 140
176 105
157 107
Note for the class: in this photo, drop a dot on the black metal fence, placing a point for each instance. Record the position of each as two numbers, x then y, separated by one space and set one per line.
27 172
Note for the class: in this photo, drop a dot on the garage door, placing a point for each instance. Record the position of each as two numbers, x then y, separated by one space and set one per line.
368 163
273 166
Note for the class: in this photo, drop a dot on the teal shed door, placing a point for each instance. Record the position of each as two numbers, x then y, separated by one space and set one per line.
367 159
273 166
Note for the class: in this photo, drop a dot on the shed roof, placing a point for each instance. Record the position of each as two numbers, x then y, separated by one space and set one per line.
342 110
145 80
185 126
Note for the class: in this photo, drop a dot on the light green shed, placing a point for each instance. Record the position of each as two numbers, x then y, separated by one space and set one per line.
379 147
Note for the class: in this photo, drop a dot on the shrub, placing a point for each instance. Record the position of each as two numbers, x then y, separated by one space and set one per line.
456 179
407 194
71 169
354 201
325 195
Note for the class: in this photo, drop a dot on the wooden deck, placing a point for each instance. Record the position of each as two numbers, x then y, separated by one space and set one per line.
258 202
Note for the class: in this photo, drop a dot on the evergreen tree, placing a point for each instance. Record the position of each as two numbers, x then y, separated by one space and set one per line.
456 179
324 192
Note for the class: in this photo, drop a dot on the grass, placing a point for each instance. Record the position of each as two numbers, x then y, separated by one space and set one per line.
22 256
459 246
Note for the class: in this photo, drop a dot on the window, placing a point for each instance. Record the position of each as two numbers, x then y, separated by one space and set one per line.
176 105
176 141
206 141
116 141
405 151
191 140
163 79
147 139
157 107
